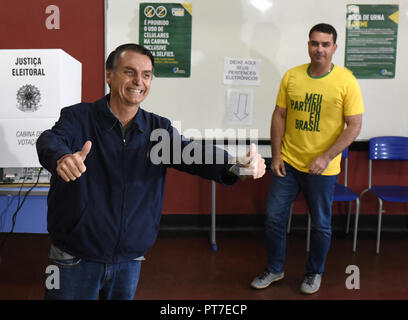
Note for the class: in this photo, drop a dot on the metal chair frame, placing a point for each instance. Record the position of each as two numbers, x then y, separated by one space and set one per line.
384 148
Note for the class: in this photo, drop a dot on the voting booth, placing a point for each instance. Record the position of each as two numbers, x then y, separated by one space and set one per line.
36 84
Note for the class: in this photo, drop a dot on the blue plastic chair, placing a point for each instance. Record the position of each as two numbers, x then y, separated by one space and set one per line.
342 193
385 148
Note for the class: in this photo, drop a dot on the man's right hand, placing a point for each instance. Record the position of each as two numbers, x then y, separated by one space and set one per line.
278 167
71 166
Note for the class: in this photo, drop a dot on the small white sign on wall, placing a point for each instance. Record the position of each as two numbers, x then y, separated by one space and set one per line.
242 72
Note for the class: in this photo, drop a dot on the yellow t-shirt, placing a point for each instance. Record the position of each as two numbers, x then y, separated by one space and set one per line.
315 113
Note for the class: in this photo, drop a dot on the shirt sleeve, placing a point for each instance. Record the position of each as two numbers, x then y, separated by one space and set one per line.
282 98
199 158
353 100
56 142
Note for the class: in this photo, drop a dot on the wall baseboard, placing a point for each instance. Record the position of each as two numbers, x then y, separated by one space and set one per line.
253 225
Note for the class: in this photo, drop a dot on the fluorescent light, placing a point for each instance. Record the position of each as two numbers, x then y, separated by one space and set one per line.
262 5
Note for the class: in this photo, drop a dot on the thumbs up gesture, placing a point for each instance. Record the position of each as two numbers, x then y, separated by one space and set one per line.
71 166
252 164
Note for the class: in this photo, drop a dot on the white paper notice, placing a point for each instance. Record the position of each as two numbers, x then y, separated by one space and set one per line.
242 71
240 106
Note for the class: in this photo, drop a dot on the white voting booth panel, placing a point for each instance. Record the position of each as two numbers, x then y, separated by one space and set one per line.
36 84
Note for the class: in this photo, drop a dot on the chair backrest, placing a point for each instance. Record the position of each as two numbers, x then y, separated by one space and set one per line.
345 157
386 148
345 153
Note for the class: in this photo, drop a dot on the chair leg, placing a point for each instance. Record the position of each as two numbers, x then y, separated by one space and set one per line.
380 203
356 224
309 227
358 201
290 219
348 217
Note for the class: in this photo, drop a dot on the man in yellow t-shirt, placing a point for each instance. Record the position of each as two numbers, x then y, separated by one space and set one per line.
308 134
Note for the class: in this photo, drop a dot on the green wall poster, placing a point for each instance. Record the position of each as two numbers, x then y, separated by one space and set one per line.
371 40
165 29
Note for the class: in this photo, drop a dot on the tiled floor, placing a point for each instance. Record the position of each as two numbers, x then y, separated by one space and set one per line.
185 268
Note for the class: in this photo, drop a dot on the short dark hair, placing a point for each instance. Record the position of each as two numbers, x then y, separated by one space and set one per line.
325 28
112 59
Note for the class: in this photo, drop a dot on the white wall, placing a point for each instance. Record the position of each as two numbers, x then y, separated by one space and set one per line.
278 36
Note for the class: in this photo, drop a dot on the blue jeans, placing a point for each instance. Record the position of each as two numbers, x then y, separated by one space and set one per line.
83 280
318 191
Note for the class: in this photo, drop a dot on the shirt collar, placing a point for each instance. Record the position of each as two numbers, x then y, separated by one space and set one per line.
109 120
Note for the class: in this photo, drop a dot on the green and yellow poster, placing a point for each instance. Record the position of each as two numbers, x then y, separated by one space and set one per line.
371 40
165 29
